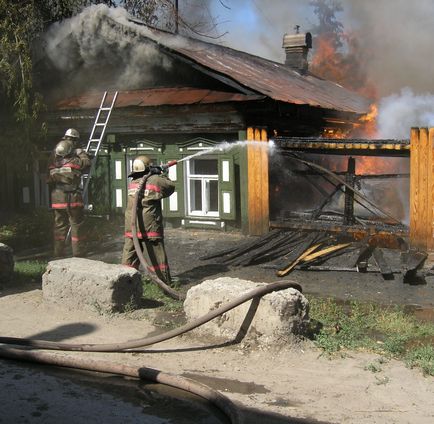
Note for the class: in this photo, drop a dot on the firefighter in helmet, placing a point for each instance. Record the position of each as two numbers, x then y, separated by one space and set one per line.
149 219
68 163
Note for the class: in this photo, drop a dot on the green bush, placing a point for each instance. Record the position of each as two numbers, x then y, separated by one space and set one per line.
26 230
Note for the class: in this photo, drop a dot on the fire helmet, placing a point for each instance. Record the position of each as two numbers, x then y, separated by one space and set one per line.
63 148
72 133
140 163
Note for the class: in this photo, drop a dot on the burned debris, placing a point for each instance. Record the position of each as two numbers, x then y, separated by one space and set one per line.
285 250
342 238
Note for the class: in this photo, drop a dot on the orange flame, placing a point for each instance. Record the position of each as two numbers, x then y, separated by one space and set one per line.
366 127
347 70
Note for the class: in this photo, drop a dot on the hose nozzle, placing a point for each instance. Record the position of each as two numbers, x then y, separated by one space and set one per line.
171 163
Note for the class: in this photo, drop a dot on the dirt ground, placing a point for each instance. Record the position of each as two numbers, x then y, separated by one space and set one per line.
282 384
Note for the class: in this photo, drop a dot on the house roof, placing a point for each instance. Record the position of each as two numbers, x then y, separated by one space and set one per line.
157 97
251 73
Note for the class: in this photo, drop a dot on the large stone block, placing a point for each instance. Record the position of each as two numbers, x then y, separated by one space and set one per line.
278 316
78 283
6 263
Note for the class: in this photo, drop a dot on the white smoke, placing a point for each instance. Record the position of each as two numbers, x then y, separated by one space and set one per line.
399 112
90 38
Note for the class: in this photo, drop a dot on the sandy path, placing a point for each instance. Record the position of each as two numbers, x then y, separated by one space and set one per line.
272 385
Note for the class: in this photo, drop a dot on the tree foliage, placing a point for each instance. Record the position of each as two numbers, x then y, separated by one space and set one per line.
328 24
21 23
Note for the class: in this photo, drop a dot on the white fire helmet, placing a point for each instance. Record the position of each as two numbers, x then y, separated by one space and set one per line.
63 148
140 163
72 133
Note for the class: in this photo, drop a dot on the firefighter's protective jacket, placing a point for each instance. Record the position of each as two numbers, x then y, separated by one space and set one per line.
149 214
65 177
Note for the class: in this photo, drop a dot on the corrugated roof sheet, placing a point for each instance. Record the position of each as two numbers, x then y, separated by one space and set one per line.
264 76
157 97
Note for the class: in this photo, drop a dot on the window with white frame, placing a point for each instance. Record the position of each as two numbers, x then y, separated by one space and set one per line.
202 187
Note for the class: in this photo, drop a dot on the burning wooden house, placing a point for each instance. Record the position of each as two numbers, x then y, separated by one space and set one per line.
197 96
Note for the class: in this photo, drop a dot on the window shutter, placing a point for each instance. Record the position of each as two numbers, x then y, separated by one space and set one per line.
119 182
227 188
173 206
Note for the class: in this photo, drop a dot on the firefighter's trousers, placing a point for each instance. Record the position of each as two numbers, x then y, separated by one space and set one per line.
63 219
154 254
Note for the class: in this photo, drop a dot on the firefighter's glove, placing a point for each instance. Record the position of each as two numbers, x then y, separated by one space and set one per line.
164 169
154 170
78 152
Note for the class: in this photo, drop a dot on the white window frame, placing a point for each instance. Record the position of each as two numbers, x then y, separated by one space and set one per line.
204 179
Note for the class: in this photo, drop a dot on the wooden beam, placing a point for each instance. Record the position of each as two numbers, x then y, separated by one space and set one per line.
258 185
421 188
430 208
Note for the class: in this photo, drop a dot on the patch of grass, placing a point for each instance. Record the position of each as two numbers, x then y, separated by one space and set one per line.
374 367
385 330
422 357
28 229
29 272
152 292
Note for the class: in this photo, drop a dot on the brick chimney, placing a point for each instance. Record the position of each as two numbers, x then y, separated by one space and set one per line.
296 48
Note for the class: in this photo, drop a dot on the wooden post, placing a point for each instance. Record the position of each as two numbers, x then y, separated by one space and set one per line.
421 188
430 209
257 171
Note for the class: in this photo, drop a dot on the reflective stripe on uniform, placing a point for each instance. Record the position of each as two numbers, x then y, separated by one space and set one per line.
129 234
160 267
66 205
65 170
153 187
132 188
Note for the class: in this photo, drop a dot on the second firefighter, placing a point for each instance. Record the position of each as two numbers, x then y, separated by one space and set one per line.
149 219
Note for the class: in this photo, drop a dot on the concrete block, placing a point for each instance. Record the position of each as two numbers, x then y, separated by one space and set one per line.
278 316
77 283
6 263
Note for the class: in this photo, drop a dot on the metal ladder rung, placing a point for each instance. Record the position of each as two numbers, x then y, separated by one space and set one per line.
105 108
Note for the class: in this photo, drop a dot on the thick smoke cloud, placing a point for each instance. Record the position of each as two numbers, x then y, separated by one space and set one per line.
90 41
400 112
396 37
397 33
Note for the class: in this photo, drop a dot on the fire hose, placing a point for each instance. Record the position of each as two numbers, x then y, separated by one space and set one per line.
213 396
222 402
153 277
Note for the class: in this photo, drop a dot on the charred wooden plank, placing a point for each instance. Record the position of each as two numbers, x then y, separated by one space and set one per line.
259 250
384 267
270 251
292 265
299 248
325 252
325 268
276 252
245 257
244 246
411 261
226 259
365 253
